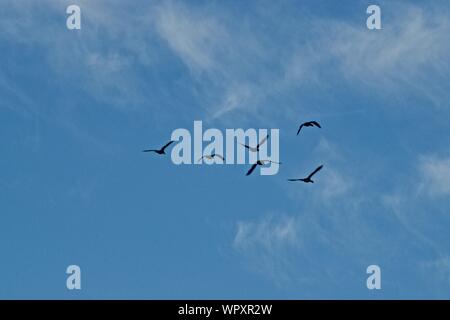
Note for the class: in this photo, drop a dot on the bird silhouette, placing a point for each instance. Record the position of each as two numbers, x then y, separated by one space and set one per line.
212 156
160 151
256 149
259 163
308 178
308 124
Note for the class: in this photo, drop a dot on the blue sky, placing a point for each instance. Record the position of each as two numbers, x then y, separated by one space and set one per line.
77 108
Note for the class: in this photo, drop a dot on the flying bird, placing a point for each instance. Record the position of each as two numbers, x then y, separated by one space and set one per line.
259 163
160 151
212 156
256 149
309 124
308 178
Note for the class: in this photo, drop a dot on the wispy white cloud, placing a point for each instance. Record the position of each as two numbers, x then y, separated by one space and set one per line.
236 62
335 185
342 215
266 234
408 55
265 245
223 58
195 36
435 174
418 201
103 58
439 267
325 219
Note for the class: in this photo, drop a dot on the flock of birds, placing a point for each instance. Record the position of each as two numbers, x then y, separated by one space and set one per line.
308 179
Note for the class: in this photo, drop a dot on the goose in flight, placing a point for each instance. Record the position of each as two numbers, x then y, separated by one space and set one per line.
308 178
160 151
256 149
259 163
212 156
309 124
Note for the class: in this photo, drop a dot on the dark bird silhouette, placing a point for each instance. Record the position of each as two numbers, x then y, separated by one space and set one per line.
259 163
256 149
160 151
309 124
308 178
212 156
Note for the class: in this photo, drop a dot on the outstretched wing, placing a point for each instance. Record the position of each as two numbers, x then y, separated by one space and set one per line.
152 150
220 157
262 141
166 145
300 128
316 124
315 171
269 161
252 168
249 148
294 179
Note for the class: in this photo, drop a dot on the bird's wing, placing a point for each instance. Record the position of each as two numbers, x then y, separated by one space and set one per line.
244 145
316 124
200 158
166 145
263 140
300 128
220 156
294 179
152 150
252 168
315 171
249 148
269 161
